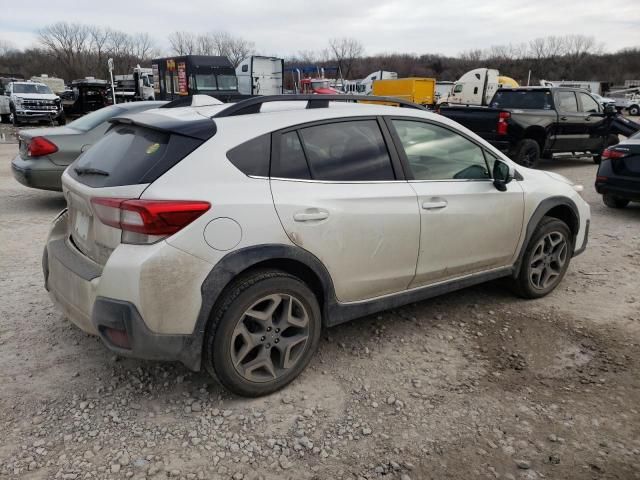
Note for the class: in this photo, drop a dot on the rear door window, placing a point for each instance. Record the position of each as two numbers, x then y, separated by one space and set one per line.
130 155
567 102
290 162
347 151
588 104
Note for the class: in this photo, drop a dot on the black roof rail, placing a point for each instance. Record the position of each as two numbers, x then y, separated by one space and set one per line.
252 105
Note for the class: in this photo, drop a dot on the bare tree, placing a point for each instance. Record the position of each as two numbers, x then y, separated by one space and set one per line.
183 43
68 42
345 52
234 48
143 46
6 46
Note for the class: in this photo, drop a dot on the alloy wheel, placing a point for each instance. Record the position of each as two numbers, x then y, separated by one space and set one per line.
548 260
270 338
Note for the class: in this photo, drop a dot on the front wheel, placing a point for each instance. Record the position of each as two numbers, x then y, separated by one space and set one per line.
612 201
634 110
5 118
546 259
263 333
62 119
527 153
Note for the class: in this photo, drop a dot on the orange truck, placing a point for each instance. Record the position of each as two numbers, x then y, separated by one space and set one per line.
414 89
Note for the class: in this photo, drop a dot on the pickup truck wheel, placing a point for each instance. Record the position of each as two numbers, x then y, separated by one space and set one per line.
527 153
634 110
13 118
62 119
612 201
263 333
5 118
546 259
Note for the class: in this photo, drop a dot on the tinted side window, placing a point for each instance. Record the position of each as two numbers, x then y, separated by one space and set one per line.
435 153
567 102
252 157
588 103
347 151
291 162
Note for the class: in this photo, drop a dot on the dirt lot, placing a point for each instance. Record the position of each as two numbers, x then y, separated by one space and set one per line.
475 384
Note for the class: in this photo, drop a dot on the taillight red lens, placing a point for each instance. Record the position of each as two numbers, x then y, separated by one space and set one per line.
503 127
612 154
40 146
149 217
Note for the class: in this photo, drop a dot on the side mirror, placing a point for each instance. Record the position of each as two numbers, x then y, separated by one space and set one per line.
610 109
502 175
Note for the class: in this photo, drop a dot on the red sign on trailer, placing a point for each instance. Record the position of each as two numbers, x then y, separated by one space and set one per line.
183 88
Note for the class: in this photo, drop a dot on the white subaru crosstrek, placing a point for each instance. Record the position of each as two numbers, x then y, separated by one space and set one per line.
228 236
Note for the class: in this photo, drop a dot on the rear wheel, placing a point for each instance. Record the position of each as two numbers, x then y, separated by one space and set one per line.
546 259
263 334
612 201
5 118
527 153
634 110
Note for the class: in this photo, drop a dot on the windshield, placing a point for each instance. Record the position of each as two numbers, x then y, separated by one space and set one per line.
206 81
525 99
94 119
320 84
227 82
31 88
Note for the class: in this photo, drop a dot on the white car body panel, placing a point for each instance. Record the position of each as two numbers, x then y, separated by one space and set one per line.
376 242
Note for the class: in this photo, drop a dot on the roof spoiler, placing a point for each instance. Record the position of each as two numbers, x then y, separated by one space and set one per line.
193 101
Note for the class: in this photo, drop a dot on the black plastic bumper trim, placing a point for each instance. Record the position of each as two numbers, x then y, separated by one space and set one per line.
145 344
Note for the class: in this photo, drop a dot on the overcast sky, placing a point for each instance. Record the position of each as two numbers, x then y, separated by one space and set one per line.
285 27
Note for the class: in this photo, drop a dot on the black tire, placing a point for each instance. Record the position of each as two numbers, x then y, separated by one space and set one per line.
530 283
527 153
4 118
609 142
634 110
62 119
612 201
221 338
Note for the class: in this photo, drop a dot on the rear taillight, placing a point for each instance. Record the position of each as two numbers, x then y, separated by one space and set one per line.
147 221
503 126
612 154
39 146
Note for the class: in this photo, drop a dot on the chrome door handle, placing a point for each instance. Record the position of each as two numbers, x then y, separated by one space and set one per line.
563 118
310 216
435 205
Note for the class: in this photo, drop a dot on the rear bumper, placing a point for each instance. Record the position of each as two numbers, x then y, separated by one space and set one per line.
623 189
109 313
37 173
80 289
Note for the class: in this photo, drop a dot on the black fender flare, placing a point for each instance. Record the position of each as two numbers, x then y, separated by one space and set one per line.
544 207
238 261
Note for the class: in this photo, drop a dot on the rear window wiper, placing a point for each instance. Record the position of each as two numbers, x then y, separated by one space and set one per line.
90 171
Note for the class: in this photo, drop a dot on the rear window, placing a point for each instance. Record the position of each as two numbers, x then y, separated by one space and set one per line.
130 155
526 100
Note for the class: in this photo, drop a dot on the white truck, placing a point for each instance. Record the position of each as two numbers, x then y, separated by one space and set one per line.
135 86
476 87
23 102
259 75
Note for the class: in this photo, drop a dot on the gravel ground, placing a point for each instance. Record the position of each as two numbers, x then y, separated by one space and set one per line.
474 384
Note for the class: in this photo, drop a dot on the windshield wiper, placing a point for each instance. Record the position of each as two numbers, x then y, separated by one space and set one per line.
90 171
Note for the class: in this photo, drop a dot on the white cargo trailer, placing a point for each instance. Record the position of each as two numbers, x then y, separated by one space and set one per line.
259 75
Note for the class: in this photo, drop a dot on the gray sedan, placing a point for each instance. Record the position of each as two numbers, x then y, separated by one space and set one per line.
46 152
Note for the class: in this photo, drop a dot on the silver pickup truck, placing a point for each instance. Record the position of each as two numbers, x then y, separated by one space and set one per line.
23 102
